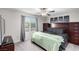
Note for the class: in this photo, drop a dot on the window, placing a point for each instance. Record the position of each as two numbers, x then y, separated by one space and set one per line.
30 23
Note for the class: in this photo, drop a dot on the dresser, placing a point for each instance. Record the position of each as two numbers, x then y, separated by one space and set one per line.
74 32
7 47
7 44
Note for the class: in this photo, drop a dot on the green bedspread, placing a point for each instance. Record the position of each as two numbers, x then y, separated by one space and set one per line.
49 42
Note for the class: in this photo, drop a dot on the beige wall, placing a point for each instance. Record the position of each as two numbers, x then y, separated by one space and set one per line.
12 22
41 20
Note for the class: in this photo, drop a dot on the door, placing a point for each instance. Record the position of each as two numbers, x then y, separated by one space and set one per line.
30 25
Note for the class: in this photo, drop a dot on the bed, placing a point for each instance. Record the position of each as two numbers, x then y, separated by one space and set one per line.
47 41
61 32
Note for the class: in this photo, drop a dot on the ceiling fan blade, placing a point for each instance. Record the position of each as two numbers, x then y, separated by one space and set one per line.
52 11
43 8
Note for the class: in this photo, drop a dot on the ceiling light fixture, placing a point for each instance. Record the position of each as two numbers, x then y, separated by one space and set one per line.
45 11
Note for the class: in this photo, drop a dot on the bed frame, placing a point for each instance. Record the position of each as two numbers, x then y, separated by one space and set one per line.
39 46
42 47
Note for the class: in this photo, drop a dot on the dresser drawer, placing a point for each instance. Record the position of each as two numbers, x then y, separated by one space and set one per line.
74 37
74 32
8 47
77 35
74 28
74 41
74 24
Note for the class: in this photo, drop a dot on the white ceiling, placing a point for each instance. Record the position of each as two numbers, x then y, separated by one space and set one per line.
36 11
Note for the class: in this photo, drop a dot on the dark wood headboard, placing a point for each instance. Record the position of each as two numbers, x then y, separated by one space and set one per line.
62 25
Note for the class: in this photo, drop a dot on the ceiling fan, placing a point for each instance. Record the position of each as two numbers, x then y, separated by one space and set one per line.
46 11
